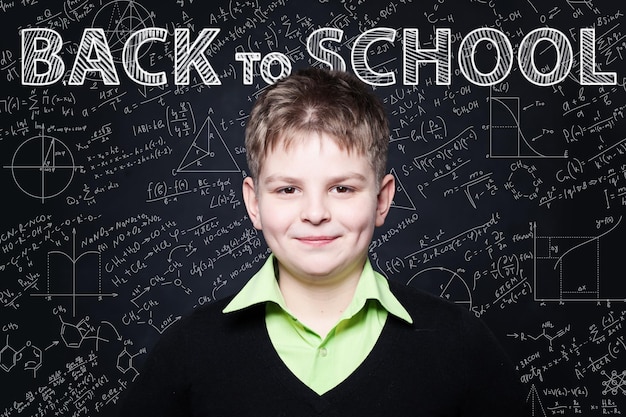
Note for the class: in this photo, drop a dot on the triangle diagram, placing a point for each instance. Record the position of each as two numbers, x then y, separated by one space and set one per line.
208 152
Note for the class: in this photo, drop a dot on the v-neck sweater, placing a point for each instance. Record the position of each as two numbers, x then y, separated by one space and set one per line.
322 362
446 363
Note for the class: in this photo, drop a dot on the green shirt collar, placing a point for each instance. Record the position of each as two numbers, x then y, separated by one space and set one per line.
263 287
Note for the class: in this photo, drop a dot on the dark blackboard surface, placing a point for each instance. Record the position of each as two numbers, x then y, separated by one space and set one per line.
122 210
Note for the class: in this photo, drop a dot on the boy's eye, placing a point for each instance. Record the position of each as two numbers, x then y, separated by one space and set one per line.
287 190
342 189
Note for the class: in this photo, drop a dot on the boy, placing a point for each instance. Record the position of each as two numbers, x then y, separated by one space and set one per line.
316 332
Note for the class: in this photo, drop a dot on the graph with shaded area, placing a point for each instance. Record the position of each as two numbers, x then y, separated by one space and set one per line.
444 283
579 268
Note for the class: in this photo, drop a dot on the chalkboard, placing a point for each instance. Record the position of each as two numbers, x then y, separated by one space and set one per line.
122 166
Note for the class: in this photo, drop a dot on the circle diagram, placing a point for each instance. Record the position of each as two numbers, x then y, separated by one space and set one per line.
120 19
42 167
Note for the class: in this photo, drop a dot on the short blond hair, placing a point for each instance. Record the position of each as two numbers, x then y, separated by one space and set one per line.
335 103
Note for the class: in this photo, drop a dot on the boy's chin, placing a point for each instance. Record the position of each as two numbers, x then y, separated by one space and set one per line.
317 272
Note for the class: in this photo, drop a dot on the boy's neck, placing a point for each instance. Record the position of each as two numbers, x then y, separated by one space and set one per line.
318 304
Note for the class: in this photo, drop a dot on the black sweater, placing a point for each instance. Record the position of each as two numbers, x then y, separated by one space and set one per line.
445 364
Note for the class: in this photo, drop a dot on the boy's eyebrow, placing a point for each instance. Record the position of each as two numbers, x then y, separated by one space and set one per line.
339 178
349 176
279 178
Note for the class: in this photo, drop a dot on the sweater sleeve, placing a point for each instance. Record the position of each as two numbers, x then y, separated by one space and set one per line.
159 389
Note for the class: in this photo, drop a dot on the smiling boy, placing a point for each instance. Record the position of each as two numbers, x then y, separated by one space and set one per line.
317 205
316 331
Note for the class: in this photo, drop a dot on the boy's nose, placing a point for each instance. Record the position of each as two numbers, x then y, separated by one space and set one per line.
315 210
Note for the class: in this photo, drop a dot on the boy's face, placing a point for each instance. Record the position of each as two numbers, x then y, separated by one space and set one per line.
317 206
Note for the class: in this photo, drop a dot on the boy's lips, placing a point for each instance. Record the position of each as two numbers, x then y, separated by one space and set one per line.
316 240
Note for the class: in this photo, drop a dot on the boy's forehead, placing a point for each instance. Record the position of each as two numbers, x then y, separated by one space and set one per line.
289 143
306 146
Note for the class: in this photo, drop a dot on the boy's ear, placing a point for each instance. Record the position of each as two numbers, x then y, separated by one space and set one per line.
385 198
252 202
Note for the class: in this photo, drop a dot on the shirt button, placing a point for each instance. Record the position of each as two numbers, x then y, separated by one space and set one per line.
323 352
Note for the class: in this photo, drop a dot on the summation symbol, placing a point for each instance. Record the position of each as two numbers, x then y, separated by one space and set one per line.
43 167
75 261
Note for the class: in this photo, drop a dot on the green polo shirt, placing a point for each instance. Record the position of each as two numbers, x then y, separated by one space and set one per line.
322 363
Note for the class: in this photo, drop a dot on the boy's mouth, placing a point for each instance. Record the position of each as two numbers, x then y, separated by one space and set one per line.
316 240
